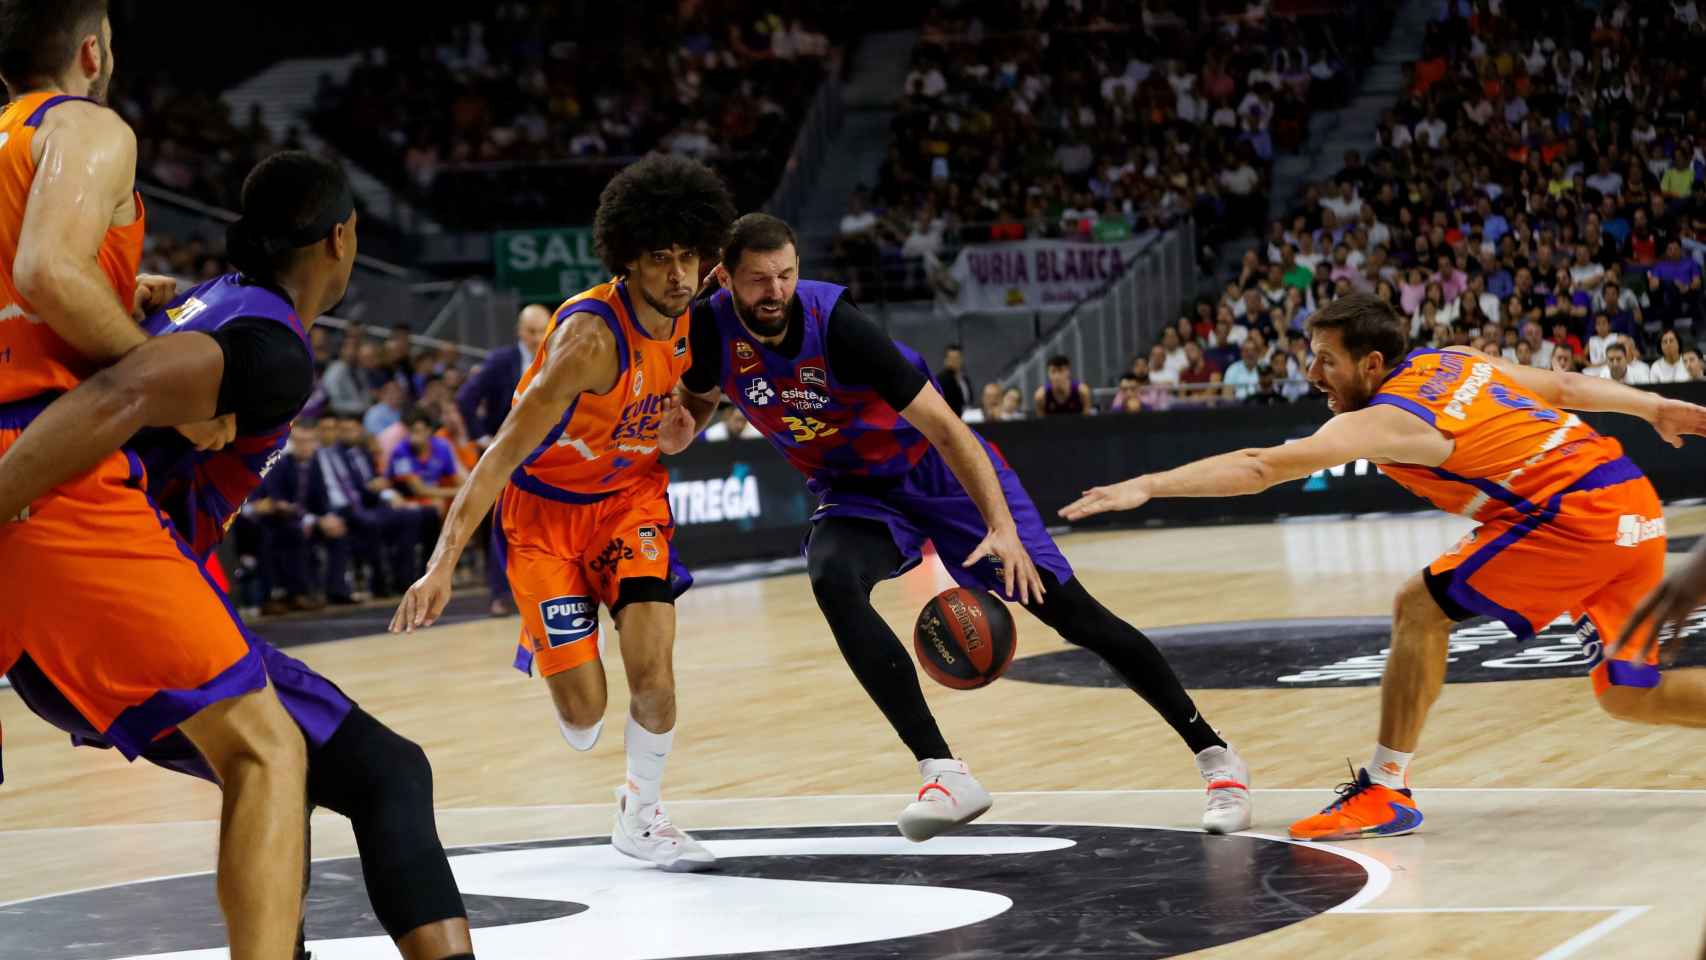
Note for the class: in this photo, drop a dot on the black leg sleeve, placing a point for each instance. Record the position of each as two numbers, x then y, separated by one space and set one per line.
383 784
845 559
1081 620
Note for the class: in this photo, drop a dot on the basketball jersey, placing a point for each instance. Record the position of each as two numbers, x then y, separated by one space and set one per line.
1512 451
1074 402
33 359
202 491
608 441
826 429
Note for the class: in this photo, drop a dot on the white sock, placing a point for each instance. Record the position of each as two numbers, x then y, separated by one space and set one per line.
579 738
647 753
1389 767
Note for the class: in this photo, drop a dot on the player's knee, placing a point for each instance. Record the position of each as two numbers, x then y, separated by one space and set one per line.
832 578
580 713
1415 609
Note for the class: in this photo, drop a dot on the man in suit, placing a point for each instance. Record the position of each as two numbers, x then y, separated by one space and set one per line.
484 401
956 387
294 512
383 539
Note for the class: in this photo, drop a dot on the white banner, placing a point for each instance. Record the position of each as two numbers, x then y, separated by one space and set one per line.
1031 275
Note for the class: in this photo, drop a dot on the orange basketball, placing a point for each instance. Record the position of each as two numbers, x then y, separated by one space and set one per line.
965 639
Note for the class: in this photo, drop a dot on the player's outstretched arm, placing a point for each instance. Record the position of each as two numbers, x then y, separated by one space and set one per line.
970 463
162 383
582 357
1374 433
1673 419
86 170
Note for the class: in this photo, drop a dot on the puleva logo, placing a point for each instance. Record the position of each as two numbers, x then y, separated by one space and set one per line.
568 619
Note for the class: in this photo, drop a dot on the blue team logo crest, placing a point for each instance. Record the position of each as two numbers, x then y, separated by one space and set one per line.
814 377
569 619
759 392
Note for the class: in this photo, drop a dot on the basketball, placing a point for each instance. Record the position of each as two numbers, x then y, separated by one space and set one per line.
964 638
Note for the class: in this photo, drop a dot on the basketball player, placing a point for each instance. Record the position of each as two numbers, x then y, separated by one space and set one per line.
249 353
862 418
146 642
1567 522
583 510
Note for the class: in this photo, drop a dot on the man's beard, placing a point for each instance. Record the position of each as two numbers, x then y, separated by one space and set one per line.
749 315
663 308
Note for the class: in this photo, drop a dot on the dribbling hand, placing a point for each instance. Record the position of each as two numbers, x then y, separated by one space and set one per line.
424 601
1017 570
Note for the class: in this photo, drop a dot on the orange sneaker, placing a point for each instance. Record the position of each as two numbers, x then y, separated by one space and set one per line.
1364 809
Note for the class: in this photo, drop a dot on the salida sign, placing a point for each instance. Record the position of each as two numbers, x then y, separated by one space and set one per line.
547 264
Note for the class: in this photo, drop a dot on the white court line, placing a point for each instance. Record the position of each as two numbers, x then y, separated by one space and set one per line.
1569 947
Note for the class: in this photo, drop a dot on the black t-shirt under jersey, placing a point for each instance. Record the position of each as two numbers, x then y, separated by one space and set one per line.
859 353
269 373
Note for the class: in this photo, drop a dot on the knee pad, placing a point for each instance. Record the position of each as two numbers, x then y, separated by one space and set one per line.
383 783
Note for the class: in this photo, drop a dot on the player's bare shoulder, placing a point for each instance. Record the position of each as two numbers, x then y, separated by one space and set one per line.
93 125
582 355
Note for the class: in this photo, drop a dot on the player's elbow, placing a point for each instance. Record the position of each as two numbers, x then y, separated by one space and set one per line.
34 275
1258 473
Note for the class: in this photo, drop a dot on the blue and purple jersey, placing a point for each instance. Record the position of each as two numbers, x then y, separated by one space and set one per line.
202 491
826 429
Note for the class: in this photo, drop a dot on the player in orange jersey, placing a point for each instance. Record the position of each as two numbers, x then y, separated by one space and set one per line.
583 511
94 587
1567 523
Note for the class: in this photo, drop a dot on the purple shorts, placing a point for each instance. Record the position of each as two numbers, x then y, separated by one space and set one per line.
928 503
315 703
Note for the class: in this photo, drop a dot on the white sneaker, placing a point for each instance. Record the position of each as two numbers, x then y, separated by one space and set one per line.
660 841
1228 778
950 798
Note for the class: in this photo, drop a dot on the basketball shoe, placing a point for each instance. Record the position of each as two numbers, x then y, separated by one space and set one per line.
1364 809
658 841
1228 778
950 798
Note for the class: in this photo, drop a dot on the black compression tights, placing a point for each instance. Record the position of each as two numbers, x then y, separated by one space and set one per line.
847 557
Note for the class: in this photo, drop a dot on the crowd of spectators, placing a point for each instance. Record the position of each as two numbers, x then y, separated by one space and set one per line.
1538 191
517 119
1091 120
371 465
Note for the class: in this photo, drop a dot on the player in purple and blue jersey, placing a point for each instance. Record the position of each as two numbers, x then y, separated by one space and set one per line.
238 345
861 417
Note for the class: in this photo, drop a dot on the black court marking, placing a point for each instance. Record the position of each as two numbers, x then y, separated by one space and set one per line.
1125 892
1336 652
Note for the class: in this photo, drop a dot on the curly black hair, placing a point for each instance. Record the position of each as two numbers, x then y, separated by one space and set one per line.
658 202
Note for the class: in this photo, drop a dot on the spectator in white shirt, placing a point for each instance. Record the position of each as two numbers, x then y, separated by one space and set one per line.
1584 273
1669 367
1619 368
1174 348
1161 369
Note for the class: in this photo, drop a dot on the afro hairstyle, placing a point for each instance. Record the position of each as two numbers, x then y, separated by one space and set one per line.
658 202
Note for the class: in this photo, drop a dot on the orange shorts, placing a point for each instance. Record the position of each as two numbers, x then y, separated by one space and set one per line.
1593 551
564 559
106 599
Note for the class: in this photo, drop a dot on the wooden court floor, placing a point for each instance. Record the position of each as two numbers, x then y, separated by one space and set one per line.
1552 830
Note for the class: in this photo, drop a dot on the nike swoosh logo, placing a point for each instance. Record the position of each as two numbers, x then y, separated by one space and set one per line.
751 367
1404 818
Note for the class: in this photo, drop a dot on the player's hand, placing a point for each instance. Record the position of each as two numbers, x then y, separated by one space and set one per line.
1676 419
211 434
1125 495
1017 570
1665 611
153 292
677 431
709 285
425 600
